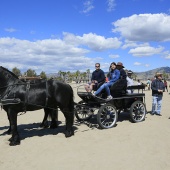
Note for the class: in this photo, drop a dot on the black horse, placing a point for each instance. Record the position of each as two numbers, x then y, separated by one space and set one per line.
18 96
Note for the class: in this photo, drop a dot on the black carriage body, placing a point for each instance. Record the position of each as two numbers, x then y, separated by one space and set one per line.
108 110
123 102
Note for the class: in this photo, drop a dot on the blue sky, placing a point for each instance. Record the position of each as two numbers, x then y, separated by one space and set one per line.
70 35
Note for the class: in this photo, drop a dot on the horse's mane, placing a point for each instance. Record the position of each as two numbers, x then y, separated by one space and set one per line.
9 72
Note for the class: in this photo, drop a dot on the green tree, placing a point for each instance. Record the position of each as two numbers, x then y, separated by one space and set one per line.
30 73
16 71
43 75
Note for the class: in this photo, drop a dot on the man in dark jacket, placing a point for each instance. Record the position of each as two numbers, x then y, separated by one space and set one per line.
122 71
158 88
123 75
97 77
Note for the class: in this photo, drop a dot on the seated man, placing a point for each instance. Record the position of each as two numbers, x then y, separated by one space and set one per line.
97 77
120 67
129 81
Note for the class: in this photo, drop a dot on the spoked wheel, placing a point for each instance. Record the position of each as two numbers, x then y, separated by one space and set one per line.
107 116
137 111
82 112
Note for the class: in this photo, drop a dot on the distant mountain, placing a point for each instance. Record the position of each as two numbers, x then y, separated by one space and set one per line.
151 73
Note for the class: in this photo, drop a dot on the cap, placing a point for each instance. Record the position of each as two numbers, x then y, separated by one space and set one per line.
120 64
130 72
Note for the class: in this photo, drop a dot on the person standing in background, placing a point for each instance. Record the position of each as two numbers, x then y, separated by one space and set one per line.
158 88
148 84
166 85
138 82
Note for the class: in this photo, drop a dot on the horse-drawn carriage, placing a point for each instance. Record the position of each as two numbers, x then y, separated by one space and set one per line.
108 110
17 96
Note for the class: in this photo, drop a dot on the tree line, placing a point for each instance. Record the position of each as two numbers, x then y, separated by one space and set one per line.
66 76
62 76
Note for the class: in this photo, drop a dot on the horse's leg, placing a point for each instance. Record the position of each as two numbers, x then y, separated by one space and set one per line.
8 132
44 123
15 139
54 119
69 115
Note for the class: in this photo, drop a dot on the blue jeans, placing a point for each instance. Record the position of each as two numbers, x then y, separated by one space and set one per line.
156 104
106 87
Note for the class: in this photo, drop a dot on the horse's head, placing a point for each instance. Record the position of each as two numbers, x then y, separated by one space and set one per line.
6 77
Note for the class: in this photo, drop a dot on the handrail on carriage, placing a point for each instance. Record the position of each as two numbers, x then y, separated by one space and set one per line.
136 87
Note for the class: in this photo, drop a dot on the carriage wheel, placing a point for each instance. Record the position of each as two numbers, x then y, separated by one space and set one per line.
137 111
83 113
107 116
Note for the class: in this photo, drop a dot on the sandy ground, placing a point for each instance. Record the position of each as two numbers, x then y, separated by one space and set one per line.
130 146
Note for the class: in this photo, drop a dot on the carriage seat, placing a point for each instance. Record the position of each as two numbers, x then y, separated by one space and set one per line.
136 87
119 88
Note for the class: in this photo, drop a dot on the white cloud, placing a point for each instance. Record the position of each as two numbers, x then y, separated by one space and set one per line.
111 5
88 6
93 41
147 65
137 64
167 57
10 30
144 27
145 51
49 55
140 64
129 44
52 55
114 56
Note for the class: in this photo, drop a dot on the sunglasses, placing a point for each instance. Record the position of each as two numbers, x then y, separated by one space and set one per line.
97 66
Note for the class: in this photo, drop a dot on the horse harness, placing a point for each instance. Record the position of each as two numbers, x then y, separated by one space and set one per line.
15 100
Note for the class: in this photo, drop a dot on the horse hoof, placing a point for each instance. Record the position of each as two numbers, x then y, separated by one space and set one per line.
69 134
53 126
14 143
44 125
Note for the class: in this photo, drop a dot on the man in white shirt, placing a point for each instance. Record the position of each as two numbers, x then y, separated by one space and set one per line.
129 81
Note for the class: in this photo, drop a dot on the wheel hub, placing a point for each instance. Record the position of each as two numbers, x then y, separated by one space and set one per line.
108 117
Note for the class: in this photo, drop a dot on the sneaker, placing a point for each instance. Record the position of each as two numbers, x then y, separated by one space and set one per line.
158 114
93 94
109 97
